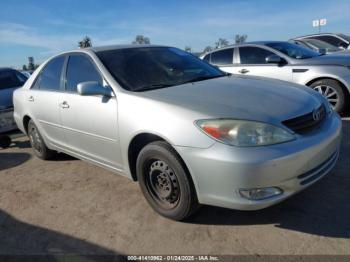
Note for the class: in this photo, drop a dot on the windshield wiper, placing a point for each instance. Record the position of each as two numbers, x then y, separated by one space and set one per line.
152 87
196 79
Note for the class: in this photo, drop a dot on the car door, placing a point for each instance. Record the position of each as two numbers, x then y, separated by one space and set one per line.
90 122
42 101
251 60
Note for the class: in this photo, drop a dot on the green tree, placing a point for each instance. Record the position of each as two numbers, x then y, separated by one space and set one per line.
207 49
188 49
240 39
24 67
86 42
140 39
221 43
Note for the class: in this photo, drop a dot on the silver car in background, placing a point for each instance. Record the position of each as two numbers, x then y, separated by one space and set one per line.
319 46
187 132
339 40
327 74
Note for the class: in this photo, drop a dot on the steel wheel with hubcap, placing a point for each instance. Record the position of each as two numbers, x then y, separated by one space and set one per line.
163 184
165 181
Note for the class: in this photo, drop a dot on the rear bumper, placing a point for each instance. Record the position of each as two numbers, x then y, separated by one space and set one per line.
7 122
220 171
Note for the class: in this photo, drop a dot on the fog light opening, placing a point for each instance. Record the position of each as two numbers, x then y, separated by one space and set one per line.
260 193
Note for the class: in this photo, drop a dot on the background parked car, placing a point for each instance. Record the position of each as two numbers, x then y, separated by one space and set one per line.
328 74
317 45
10 80
26 73
339 40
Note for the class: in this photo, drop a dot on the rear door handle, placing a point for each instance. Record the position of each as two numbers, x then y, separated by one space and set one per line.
64 104
243 71
31 99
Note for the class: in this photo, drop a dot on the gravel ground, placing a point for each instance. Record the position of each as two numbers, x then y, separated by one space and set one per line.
69 206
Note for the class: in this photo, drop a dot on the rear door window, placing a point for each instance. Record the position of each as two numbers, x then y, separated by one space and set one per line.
222 57
50 77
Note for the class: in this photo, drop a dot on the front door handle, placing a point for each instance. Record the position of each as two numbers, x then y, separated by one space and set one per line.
64 104
31 99
243 71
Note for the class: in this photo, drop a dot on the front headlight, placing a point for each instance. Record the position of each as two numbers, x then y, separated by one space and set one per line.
243 132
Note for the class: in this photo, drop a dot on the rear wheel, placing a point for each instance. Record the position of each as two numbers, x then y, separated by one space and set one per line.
165 182
39 147
333 92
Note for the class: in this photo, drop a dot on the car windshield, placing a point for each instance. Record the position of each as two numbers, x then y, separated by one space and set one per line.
10 79
322 44
346 37
146 68
293 50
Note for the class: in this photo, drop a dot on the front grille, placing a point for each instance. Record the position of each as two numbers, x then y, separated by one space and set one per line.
306 123
319 171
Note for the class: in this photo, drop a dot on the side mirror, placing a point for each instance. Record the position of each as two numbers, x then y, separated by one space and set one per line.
273 59
92 88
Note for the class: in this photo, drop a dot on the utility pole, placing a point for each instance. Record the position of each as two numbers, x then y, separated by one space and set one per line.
319 23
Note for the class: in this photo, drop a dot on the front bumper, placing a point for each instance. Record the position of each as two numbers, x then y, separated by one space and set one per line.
221 170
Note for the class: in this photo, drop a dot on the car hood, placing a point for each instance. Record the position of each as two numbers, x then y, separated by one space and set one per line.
6 97
241 97
342 59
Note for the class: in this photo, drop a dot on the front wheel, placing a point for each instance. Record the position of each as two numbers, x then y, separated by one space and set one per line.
333 92
165 182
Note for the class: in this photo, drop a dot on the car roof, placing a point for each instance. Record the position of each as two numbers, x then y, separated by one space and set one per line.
247 43
337 34
114 47
7 69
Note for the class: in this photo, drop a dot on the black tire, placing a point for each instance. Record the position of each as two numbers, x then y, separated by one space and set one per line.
37 142
339 93
5 141
165 182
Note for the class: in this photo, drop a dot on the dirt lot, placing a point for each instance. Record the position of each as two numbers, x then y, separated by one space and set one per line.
69 206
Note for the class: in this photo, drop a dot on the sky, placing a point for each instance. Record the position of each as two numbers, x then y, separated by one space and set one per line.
42 28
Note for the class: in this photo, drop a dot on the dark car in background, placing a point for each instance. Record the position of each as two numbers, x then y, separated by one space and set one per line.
10 80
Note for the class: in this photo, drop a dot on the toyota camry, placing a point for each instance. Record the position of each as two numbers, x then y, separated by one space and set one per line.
187 132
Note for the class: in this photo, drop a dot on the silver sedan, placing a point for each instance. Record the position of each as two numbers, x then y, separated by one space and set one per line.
327 74
187 132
